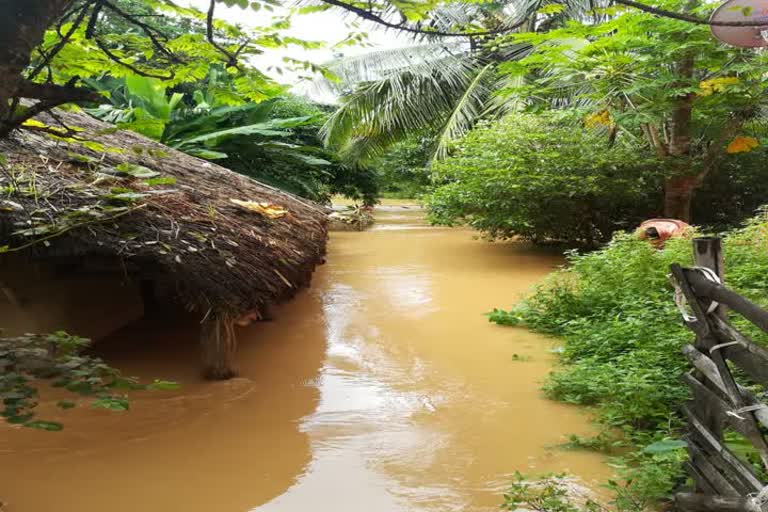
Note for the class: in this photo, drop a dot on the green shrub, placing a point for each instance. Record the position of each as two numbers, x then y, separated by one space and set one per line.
733 192
623 337
403 171
541 178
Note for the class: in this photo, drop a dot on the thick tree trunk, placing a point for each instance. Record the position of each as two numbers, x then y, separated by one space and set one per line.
678 196
22 26
679 188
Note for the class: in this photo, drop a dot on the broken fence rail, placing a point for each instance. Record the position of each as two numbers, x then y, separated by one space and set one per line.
723 481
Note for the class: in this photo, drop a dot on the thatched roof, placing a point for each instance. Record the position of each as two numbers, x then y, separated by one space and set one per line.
161 212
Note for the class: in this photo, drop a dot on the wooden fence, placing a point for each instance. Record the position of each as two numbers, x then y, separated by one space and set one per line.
723 481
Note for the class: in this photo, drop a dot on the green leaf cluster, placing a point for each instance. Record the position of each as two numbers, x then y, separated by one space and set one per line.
542 178
58 357
275 141
622 339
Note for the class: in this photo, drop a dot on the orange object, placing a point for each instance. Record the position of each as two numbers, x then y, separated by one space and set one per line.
658 231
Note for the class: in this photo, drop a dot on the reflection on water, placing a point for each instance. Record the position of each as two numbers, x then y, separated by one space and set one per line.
383 388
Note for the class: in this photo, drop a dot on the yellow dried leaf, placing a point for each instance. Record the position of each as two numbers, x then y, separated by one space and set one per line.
742 145
601 118
269 210
713 85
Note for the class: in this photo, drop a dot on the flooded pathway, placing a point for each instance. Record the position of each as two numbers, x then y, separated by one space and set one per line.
381 389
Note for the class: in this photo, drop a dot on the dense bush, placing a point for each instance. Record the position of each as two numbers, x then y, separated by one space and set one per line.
317 174
732 193
542 179
403 171
623 336
545 178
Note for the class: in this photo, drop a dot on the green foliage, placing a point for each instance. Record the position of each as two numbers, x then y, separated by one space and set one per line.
274 141
550 494
622 331
540 178
623 336
57 358
119 48
733 192
614 65
636 75
403 170
442 87
647 478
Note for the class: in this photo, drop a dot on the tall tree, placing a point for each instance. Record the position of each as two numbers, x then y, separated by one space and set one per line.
691 98
48 46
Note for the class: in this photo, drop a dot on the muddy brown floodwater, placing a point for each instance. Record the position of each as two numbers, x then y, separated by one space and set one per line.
381 389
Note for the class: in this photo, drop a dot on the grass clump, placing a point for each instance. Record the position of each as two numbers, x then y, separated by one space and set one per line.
623 337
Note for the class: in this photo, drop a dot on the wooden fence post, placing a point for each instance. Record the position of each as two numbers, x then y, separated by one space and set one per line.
708 252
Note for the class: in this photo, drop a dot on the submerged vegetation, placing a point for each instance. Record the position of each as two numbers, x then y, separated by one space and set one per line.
623 340
58 357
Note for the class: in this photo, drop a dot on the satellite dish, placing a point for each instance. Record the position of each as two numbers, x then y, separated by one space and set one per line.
742 10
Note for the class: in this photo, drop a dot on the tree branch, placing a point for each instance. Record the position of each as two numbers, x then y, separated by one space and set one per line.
49 55
231 59
370 15
103 47
91 29
49 96
689 18
715 150
152 33
56 93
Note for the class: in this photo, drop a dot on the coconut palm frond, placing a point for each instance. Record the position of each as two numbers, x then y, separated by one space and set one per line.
467 110
380 112
504 100
375 65
458 14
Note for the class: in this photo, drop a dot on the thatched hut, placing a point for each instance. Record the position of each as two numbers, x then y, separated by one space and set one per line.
115 203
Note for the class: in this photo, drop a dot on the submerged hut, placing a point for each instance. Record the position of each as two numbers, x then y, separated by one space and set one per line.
89 200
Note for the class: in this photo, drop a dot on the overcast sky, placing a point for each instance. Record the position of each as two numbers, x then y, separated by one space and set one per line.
330 27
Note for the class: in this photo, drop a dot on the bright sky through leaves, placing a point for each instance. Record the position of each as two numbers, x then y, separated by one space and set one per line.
330 27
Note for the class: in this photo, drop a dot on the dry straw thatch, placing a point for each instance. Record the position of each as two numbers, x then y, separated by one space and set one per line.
160 215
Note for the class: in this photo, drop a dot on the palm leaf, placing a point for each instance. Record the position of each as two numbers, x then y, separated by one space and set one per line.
272 128
380 112
467 111
350 71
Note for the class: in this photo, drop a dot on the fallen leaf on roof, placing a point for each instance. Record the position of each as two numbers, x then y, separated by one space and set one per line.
269 210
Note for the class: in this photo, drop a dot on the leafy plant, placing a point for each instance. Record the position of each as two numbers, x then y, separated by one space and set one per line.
442 86
539 178
549 494
403 171
665 83
623 336
58 358
216 123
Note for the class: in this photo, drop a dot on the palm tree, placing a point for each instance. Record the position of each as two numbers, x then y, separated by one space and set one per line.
437 86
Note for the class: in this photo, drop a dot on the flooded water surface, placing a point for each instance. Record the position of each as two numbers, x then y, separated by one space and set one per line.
382 388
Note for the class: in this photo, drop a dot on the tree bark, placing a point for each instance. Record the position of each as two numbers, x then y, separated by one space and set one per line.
678 196
22 27
681 186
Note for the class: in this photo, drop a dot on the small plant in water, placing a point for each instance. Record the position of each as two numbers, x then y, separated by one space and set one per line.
57 357
552 493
